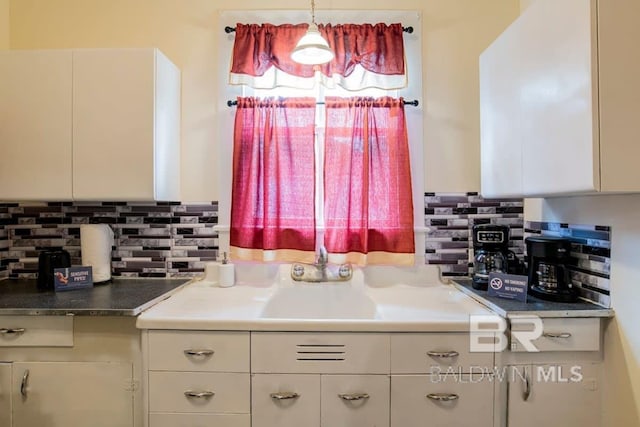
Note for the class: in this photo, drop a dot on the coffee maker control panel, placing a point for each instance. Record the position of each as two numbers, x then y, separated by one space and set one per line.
490 237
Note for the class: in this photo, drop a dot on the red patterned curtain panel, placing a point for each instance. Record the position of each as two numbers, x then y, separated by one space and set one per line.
367 181
273 189
366 55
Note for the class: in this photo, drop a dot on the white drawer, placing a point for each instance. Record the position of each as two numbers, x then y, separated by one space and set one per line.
447 400
36 331
199 392
435 352
285 400
199 351
354 400
199 420
318 353
559 334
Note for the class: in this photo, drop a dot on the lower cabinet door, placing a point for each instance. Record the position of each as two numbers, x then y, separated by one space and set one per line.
441 400
72 394
203 392
285 400
355 400
554 395
5 394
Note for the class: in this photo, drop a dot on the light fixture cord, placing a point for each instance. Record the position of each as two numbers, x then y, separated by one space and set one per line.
313 11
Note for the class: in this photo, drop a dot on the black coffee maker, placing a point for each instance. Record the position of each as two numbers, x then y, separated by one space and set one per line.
549 277
492 254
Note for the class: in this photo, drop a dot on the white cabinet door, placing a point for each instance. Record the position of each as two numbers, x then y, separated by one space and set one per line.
125 125
285 400
354 400
35 130
72 394
554 395
5 394
442 401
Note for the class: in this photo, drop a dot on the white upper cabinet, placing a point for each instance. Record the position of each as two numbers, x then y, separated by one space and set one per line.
89 124
35 125
559 93
126 133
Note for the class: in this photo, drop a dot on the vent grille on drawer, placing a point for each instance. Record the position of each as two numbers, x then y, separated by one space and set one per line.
320 352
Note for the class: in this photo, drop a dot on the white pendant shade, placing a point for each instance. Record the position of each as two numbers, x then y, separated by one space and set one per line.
312 49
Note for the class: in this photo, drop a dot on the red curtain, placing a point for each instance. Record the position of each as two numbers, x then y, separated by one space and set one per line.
273 190
367 180
377 48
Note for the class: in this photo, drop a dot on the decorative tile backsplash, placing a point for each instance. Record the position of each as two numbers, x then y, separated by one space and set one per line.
590 252
450 216
151 239
176 240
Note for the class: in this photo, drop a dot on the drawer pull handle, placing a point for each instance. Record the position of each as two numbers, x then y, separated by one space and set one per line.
353 396
11 331
199 353
24 383
285 395
556 335
443 354
443 397
198 394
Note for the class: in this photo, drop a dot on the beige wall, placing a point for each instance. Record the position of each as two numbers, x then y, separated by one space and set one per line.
4 24
454 33
621 380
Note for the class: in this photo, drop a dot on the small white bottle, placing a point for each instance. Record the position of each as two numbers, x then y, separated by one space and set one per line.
226 274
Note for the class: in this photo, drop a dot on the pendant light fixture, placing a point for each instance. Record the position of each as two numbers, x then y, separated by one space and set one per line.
312 48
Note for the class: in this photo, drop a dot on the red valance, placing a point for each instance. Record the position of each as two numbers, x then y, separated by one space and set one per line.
377 48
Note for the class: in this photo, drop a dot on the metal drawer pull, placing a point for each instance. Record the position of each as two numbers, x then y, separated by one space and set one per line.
198 394
556 335
353 396
443 397
284 395
24 383
443 354
199 353
9 331
527 386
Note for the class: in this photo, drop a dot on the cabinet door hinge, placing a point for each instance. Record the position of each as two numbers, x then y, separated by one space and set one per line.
131 385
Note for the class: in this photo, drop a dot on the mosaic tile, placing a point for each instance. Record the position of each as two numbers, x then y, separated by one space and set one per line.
146 235
590 268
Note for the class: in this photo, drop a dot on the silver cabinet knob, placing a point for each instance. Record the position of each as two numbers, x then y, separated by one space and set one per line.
24 383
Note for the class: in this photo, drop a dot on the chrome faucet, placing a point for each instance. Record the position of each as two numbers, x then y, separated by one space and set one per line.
321 271
322 260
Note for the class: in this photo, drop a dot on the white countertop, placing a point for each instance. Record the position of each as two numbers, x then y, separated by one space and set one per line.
406 306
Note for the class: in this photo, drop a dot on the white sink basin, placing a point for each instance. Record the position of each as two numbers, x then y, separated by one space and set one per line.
375 299
319 301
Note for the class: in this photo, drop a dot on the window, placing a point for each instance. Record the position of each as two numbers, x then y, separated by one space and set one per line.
320 93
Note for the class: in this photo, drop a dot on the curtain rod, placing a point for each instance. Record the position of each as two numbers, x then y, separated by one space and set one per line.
232 29
415 103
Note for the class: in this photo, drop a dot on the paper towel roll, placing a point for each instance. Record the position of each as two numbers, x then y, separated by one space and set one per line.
226 275
96 241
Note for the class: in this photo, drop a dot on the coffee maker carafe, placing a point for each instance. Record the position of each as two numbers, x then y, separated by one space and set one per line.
549 277
491 253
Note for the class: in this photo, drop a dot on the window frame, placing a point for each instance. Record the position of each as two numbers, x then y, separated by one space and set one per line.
414 115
